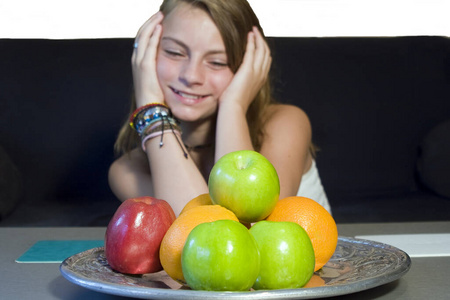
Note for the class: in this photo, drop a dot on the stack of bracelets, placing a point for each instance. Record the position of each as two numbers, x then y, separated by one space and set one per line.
153 120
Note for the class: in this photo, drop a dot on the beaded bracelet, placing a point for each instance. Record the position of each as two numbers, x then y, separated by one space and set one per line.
160 127
143 116
156 125
159 133
139 109
160 130
149 120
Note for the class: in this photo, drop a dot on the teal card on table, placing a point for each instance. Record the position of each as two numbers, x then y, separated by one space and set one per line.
56 251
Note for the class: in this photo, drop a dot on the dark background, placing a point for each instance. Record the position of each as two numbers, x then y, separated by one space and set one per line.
371 101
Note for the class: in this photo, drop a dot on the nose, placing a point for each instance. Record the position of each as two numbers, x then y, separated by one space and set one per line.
192 73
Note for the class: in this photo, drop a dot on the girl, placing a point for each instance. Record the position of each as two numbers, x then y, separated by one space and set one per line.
204 66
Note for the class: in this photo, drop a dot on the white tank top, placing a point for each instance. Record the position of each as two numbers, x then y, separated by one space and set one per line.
311 187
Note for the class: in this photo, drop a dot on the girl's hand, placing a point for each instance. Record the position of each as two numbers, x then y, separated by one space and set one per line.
252 74
146 85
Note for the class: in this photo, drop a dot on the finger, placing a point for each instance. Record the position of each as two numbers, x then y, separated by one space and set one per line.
152 18
263 59
144 34
152 48
262 53
267 61
249 51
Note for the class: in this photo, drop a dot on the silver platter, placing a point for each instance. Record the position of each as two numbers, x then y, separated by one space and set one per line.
356 265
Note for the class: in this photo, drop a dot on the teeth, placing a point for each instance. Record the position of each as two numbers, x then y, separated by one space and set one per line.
189 96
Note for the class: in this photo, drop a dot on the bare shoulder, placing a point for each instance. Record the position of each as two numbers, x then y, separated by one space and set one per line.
286 143
287 116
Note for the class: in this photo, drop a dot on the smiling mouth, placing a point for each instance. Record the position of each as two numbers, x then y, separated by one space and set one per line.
188 96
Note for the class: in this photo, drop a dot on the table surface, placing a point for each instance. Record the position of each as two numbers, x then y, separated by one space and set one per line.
428 277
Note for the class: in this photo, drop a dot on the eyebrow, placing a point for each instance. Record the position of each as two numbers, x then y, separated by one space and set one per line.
186 46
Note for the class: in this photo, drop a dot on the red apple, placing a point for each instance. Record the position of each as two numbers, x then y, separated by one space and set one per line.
134 234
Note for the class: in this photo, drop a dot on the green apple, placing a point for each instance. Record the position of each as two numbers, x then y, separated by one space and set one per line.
246 183
220 256
286 253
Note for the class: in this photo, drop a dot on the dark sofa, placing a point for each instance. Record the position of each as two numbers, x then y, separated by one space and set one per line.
379 107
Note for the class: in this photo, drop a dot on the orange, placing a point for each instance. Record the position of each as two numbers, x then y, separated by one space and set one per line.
173 242
315 219
203 199
315 281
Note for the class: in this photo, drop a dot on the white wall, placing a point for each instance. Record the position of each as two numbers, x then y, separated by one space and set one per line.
61 19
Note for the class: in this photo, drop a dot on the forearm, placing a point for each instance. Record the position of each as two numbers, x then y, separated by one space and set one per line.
175 178
232 133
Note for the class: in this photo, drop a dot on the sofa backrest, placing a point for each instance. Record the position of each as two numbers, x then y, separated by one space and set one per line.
370 102
62 103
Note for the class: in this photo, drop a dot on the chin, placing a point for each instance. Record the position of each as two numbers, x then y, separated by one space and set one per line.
193 118
193 114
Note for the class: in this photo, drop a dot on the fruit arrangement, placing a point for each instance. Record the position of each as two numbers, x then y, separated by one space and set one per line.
237 237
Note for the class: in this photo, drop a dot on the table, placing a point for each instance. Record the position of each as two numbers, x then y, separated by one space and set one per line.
427 278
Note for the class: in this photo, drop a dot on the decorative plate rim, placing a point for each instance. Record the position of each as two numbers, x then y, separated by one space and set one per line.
144 292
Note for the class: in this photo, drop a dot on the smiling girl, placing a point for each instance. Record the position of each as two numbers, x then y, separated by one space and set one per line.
204 64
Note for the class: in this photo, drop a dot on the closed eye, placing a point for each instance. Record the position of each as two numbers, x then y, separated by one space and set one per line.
174 53
218 64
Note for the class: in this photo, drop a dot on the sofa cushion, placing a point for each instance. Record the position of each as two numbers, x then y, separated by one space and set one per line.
10 184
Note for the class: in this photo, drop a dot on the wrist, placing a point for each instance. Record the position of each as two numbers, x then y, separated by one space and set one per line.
142 103
143 116
142 98
233 108
153 120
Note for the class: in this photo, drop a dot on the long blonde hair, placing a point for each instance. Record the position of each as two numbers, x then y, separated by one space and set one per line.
234 19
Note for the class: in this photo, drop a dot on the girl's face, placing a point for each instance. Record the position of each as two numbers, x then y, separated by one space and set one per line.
192 63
